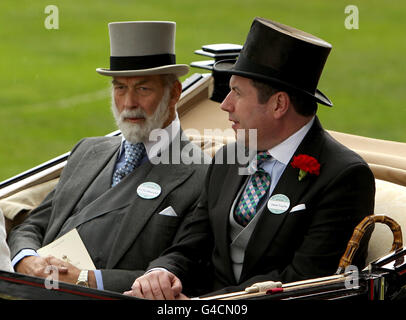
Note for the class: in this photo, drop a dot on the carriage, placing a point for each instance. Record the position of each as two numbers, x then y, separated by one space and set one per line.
201 118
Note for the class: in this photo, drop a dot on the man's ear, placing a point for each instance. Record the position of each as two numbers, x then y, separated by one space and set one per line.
280 104
176 91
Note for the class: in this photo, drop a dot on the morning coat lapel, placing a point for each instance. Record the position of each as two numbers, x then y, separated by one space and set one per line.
92 162
168 177
113 198
288 185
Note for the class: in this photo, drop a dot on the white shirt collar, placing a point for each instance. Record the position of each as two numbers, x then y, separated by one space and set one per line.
171 131
284 151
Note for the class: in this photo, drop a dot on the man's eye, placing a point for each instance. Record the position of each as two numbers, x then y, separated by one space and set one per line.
235 92
144 90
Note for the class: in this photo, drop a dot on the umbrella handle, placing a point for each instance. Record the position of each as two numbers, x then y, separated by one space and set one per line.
359 232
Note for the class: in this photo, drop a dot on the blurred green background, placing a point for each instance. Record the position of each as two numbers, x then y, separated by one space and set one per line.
51 95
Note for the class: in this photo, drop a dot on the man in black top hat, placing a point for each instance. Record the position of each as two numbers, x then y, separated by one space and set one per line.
292 217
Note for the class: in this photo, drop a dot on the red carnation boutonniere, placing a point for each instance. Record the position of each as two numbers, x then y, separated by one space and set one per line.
306 164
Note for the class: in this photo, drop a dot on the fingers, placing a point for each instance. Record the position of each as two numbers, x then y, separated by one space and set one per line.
128 293
156 285
135 290
63 267
150 286
165 284
176 286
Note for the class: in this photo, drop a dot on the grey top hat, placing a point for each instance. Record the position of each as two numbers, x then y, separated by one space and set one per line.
139 48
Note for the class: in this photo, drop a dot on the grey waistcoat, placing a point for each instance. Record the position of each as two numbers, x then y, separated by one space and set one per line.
240 236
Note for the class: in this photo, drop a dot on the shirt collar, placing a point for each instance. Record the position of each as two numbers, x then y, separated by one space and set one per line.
171 131
284 151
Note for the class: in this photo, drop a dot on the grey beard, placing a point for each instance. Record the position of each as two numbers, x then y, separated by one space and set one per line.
136 132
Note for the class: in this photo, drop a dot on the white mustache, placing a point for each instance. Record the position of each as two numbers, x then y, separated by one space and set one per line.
135 113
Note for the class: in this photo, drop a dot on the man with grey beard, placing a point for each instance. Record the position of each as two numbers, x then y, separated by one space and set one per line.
126 206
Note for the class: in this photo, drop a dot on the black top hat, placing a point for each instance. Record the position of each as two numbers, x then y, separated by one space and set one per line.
283 55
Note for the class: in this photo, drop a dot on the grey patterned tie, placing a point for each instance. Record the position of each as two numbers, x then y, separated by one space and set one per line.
256 188
133 155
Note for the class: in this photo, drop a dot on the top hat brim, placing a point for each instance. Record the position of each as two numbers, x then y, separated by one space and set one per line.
177 69
227 66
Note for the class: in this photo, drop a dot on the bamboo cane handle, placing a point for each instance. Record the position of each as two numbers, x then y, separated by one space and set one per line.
359 232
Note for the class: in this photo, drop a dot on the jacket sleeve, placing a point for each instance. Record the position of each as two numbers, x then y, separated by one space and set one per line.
30 233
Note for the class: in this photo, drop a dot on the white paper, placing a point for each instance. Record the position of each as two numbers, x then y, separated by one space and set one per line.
69 248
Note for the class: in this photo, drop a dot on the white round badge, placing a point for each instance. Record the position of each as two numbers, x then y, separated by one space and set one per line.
278 203
149 190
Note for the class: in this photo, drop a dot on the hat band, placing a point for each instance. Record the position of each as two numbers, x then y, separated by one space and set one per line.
141 62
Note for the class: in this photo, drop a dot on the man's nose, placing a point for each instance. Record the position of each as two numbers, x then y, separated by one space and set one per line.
227 104
131 100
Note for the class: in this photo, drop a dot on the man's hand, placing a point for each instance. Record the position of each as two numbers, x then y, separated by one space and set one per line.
157 285
36 266
43 267
68 272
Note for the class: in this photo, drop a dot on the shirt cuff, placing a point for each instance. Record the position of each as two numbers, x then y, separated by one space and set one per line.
22 254
99 279
155 269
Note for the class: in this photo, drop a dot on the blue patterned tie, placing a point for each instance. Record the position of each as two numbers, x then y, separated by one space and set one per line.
256 188
133 155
